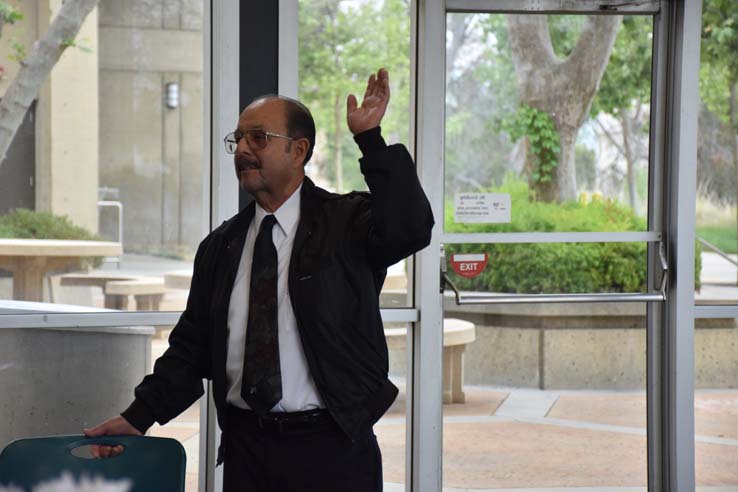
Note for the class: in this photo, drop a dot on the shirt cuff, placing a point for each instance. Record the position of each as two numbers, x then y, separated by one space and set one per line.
370 140
139 416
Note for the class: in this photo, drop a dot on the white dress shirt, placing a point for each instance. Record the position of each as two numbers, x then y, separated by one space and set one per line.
298 388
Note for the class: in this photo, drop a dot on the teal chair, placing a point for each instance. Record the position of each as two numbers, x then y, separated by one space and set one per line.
153 464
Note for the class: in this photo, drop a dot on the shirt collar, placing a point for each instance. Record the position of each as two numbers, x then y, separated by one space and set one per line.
287 214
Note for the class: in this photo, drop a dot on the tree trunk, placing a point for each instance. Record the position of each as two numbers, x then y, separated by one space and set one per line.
36 67
562 88
337 134
566 172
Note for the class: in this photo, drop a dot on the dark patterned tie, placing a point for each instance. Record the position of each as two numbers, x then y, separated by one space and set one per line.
262 380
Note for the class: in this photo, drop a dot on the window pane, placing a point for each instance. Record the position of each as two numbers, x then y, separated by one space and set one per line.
550 114
523 379
105 194
717 158
105 188
341 42
545 396
546 131
716 363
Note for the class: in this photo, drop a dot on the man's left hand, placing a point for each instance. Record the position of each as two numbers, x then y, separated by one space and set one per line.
371 111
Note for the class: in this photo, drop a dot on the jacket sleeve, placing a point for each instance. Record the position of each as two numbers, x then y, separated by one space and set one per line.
176 382
397 220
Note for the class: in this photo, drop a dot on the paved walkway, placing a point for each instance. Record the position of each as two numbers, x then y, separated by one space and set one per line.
569 440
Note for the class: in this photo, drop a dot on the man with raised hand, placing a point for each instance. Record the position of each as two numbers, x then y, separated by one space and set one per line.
283 311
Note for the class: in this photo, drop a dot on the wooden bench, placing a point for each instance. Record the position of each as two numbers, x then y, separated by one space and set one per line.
456 335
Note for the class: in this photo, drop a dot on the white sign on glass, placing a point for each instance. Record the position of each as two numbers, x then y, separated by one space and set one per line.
482 208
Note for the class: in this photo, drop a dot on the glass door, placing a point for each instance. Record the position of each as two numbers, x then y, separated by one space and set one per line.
553 210
546 203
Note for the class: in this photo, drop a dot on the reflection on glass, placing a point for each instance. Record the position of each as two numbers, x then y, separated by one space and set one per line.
339 42
119 182
716 379
552 111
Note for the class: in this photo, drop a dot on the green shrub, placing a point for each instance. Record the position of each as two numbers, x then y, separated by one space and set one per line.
22 223
26 224
556 267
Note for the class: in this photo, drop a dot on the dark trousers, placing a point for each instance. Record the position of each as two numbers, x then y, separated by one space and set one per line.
301 457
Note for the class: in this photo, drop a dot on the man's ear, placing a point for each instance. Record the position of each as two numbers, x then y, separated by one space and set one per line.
300 149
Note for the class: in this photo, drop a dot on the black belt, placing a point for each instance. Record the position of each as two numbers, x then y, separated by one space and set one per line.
285 421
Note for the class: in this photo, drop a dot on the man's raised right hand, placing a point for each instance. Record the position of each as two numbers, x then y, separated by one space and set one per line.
117 426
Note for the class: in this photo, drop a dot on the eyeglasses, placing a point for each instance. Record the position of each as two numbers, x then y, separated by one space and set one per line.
256 139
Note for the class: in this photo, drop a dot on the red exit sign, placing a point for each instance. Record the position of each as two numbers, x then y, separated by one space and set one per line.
469 265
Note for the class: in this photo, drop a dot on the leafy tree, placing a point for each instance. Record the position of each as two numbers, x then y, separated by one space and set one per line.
36 66
719 71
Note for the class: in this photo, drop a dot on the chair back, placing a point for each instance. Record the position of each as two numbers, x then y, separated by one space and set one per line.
152 464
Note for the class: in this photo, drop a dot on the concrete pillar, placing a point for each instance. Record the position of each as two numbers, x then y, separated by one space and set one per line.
67 127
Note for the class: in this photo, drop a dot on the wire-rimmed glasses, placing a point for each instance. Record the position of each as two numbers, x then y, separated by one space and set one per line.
256 139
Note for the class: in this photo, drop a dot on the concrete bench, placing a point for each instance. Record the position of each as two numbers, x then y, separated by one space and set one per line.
148 292
94 279
395 281
456 335
178 279
116 287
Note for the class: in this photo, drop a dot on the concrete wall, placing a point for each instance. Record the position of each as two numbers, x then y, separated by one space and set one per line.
151 153
67 128
560 346
66 116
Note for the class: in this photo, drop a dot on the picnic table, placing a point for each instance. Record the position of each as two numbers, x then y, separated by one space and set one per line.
30 260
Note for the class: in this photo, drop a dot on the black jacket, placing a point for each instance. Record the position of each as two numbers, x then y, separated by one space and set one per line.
342 247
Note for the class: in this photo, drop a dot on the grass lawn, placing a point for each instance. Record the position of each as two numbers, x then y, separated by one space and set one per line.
721 235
